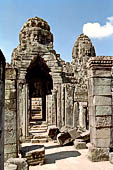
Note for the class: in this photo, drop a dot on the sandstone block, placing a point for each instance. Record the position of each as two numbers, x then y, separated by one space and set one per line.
8 166
79 144
103 110
111 157
98 154
102 90
102 100
64 138
21 163
101 81
53 132
34 154
74 133
85 136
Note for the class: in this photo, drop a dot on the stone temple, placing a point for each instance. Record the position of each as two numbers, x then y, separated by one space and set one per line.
40 88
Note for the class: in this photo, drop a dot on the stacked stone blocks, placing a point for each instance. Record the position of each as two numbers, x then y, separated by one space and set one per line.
100 106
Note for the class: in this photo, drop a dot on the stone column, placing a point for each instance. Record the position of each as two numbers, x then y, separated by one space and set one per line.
100 107
82 115
48 107
59 106
54 106
11 124
69 96
76 114
25 110
63 104
2 112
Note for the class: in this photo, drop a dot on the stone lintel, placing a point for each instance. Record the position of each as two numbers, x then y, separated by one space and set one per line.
100 61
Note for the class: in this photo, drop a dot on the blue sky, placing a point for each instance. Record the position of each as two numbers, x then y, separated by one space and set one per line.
66 18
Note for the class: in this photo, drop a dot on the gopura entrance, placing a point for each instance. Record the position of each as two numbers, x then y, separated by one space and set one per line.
39 84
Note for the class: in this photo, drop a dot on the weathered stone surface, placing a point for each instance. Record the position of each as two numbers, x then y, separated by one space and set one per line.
53 132
34 154
64 138
103 110
98 154
2 111
111 157
21 163
8 166
102 100
100 109
85 136
74 133
79 144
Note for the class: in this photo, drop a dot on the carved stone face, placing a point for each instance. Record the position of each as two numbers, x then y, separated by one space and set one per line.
36 31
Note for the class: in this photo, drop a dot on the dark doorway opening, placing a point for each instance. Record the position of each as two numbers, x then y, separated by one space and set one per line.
40 84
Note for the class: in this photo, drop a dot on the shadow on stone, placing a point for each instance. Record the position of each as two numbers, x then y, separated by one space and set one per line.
52 147
25 149
51 158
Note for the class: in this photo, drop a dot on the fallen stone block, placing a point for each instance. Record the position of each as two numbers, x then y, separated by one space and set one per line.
64 129
111 157
64 138
73 133
53 132
34 154
85 136
8 166
21 163
79 144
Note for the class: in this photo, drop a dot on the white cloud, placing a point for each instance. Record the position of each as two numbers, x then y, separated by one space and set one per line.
95 30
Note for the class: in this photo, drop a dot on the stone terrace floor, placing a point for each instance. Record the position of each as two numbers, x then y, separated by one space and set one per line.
67 158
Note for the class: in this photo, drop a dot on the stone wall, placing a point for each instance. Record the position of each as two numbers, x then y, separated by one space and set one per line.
2 110
10 134
100 107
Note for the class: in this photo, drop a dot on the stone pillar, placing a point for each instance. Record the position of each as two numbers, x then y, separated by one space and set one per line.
2 112
100 107
48 107
11 124
63 104
25 110
69 96
59 119
54 106
76 114
82 114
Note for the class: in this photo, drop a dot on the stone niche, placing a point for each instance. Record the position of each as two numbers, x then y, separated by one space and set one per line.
100 107
2 111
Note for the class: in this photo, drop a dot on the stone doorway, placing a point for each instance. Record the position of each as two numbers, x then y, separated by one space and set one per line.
40 84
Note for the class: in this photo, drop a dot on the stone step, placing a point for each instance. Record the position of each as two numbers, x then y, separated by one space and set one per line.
37 131
44 140
40 128
40 136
